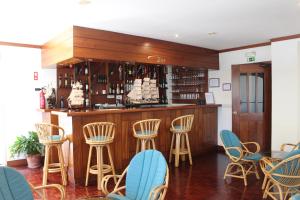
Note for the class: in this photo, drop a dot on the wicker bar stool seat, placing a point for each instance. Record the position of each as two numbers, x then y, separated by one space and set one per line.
45 133
99 135
145 131
180 127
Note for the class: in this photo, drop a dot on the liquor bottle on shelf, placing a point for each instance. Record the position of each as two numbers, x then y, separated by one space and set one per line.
87 102
110 89
118 89
129 70
86 68
120 69
71 80
113 91
61 103
60 81
86 86
121 89
66 80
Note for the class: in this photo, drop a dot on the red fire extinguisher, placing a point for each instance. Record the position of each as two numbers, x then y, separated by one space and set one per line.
42 99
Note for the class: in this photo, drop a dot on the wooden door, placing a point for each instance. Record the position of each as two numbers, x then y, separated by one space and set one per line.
251 103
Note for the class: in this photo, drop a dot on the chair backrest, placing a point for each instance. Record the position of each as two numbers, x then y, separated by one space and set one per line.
48 133
230 139
287 172
183 123
147 170
99 131
13 185
146 127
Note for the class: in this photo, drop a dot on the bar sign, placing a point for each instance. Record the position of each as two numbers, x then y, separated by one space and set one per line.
35 76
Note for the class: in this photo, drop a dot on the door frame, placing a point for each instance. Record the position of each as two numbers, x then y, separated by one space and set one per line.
267 99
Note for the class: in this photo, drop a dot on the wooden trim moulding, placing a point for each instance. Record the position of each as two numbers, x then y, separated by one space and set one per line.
246 47
17 163
20 45
289 37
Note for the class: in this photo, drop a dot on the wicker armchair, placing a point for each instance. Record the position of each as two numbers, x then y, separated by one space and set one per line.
283 176
14 186
243 161
147 178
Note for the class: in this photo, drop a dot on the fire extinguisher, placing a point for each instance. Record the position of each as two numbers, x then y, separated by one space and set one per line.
42 99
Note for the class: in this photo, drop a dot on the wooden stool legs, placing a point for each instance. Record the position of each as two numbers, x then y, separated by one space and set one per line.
145 144
100 168
181 140
54 167
46 164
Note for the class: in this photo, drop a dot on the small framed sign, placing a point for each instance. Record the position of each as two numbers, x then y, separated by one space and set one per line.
226 86
209 98
214 82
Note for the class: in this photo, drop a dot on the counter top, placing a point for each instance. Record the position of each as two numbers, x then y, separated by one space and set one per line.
127 110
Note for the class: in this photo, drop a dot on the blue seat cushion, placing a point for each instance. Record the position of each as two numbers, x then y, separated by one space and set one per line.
229 139
254 157
287 168
296 197
146 171
54 137
117 197
99 138
145 132
13 185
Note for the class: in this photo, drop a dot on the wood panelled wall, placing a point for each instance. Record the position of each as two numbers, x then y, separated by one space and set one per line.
57 50
105 45
203 137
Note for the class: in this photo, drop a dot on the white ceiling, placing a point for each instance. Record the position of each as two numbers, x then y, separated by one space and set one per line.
236 22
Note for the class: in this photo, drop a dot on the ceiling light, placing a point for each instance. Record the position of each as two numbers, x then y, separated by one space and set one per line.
176 35
84 2
212 33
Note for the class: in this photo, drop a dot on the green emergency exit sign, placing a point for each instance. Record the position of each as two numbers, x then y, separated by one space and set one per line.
251 59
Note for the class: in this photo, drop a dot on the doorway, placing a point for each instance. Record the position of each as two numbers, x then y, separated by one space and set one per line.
251 103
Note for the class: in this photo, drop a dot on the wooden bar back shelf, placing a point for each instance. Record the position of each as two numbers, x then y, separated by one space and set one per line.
189 84
99 135
180 127
145 131
46 137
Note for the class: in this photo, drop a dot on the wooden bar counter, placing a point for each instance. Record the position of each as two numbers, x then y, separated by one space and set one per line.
203 137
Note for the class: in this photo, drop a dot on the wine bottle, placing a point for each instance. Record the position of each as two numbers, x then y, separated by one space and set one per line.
113 89
118 89
61 103
66 80
122 89
60 81
86 86
86 69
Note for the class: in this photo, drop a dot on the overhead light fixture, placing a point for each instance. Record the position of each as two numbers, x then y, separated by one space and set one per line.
176 35
84 2
212 33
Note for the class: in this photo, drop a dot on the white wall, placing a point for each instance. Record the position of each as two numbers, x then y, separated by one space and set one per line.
285 92
19 101
226 60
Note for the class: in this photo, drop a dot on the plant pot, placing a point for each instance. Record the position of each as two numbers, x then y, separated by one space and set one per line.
34 161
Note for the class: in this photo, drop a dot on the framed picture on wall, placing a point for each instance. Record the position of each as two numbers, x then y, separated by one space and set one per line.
214 82
209 98
226 87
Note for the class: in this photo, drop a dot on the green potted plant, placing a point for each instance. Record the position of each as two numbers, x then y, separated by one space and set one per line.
30 146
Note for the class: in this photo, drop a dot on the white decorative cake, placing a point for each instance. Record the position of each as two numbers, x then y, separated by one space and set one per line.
76 96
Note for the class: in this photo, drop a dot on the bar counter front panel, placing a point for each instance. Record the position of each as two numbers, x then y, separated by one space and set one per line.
203 137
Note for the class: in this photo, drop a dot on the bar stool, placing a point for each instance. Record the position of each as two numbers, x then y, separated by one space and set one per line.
180 128
45 133
99 135
145 131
